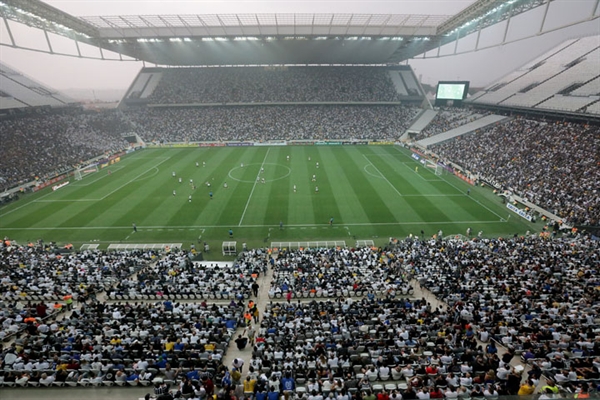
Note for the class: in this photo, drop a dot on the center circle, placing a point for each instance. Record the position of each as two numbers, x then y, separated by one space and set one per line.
283 172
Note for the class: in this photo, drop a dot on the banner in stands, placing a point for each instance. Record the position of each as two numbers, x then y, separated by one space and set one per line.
48 183
518 211
239 144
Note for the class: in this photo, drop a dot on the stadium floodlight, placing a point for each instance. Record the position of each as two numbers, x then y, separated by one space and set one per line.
207 39
351 38
176 39
187 39
321 38
221 39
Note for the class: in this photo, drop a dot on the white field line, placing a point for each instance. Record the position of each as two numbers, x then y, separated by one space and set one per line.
254 186
383 176
39 199
455 187
131 180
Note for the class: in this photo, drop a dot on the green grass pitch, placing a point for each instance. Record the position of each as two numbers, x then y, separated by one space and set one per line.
371 192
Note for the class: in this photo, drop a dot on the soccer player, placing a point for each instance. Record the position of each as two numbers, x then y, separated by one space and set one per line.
316 189
288 158
231 233
314 178
210 194
468 192
308 158
317 164
179 180
190 198
134 228
294 188
191 181
204 163
197 165
174 193
469 232
242 165
262 170
417 169
280 224
225 185
331 221
173 174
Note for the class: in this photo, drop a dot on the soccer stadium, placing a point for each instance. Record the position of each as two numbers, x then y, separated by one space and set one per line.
301 205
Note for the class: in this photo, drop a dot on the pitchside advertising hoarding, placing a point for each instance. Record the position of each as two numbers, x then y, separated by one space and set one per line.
518 211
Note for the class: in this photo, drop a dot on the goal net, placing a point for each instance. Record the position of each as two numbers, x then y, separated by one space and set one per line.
81 173
437 169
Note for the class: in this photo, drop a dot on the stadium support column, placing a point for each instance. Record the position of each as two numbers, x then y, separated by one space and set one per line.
595 9
457 39
507 24
478 36
78 49
10 35
48 41
544 17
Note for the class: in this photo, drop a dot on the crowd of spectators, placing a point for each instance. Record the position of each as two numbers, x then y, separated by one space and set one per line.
46 144
553 164
331 273
121 343
272 123
37 281
535 296
175 276
268 84
447 119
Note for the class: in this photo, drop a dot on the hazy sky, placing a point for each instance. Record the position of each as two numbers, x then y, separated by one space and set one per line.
480 68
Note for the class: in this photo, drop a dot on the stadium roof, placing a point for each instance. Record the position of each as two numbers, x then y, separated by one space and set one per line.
225 39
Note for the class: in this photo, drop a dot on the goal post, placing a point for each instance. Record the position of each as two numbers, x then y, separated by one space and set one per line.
82 172
437 169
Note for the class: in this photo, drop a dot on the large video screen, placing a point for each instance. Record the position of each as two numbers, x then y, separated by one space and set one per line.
452 90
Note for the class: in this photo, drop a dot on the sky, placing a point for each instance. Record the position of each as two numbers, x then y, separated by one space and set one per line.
109 79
